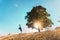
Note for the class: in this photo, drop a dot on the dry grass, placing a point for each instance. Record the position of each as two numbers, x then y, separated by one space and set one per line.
47 35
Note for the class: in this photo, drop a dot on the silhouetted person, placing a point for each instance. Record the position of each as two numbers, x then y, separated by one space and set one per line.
20 28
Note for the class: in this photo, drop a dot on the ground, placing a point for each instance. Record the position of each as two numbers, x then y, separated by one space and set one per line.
46 35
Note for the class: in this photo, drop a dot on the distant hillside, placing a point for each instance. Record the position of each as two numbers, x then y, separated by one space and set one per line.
47 35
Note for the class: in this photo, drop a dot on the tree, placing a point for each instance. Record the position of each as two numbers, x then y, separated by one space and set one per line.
38 15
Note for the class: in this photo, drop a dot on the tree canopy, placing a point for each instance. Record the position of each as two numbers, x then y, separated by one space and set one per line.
39 14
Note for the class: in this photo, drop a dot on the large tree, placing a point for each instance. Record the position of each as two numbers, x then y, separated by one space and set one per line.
38 14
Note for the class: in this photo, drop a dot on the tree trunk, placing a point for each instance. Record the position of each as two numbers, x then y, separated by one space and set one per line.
38 30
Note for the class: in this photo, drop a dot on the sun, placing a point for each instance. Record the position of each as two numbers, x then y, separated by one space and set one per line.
38 25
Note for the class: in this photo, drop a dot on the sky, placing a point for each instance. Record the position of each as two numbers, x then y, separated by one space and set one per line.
12 13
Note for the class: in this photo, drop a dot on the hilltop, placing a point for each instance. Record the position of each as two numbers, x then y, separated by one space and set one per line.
46 35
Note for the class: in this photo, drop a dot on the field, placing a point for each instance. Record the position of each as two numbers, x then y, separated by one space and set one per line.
47 35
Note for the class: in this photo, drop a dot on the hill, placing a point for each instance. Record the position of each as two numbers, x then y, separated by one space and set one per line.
47 35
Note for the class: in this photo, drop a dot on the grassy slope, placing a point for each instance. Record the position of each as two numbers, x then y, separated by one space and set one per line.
47 35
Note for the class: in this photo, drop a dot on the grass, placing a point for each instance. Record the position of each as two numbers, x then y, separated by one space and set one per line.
47 35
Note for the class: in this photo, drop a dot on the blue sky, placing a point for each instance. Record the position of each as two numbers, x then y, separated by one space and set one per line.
12 13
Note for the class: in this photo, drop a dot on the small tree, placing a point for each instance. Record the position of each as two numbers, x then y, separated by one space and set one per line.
39 15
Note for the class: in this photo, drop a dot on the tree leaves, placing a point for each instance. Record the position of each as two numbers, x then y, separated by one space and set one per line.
38 13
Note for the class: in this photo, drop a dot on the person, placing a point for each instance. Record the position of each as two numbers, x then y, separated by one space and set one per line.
20 28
